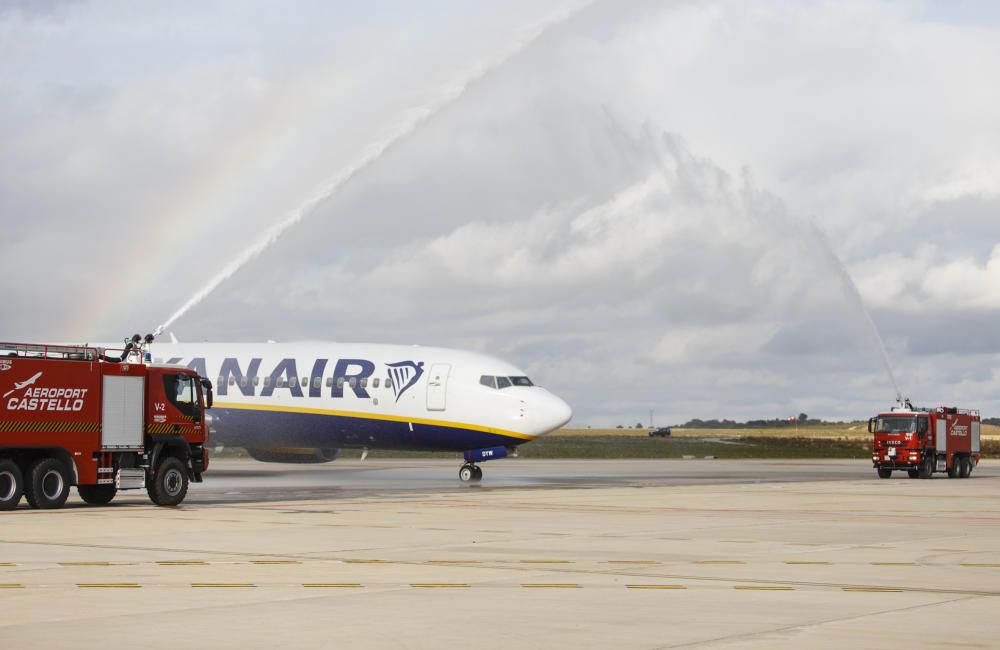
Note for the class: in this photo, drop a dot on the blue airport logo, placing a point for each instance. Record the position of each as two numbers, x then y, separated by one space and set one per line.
405 374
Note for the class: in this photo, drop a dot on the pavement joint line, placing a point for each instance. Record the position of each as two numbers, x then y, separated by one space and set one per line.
550 585
222 584
275 562
632 562
454 561
719 562
806 562
546 562
894 564
655 587
438 585
108 585
85 564
333 584
873 590
756 588
367 562
182 563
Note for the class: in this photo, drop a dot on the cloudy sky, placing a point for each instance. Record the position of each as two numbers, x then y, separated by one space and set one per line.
648 205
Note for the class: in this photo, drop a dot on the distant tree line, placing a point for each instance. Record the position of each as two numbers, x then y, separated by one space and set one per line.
994 421
776 423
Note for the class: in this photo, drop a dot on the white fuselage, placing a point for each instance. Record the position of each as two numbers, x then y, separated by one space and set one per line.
331 395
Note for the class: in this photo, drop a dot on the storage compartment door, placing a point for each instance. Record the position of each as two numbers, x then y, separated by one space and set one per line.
975 437
941 443
122 412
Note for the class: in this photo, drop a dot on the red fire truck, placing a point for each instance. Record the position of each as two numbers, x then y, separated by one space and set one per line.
925 440
99 419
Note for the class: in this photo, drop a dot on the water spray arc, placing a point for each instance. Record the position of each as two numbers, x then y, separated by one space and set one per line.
375 151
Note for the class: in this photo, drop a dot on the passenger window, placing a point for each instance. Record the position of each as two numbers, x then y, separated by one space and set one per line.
220 382
278 383
375 383
329 382
256 381
305 382
353 382
388 382
267 381
340 382
243 381
317 382
489 381
503 382
364 382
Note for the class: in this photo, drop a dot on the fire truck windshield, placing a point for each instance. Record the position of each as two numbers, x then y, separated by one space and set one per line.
896 424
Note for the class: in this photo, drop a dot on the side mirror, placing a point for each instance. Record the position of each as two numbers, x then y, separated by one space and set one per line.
206 384
871 425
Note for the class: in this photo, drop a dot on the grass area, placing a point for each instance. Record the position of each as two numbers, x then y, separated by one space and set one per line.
848 431
619 446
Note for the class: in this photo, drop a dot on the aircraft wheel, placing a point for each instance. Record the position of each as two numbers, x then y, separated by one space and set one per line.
467 473
477 474
11 484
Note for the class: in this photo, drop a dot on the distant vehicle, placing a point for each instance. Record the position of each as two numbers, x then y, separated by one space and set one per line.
922 441
662 432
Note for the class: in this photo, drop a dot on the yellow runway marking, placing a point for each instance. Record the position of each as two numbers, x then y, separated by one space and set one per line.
7 564
84 564
275 562
755 588
108 585
11 586
655 587
874 590
222 584
535 585
442 585
980 564
332 584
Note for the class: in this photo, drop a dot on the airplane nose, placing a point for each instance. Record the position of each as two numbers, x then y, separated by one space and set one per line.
556 413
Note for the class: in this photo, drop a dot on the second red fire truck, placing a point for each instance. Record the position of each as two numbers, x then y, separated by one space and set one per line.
99 420
922 441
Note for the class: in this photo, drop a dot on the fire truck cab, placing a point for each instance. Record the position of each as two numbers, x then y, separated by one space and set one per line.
103 420
923 441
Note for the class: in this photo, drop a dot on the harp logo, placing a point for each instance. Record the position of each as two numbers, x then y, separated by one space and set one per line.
6 364
404 374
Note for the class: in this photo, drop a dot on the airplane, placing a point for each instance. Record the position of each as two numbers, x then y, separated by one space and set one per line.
303 402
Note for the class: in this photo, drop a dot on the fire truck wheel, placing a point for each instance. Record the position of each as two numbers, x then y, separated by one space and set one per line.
884 472
913 473
927 468
97 495
48 484
169 485
970 465
11 484
956 467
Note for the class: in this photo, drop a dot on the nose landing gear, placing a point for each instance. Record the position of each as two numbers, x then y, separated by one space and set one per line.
470 473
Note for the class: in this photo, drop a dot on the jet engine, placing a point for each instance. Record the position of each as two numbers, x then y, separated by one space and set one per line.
294 455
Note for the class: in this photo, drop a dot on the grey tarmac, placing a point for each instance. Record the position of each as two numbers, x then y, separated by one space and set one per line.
581 554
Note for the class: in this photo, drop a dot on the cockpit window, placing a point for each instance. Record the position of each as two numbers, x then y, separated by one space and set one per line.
491 381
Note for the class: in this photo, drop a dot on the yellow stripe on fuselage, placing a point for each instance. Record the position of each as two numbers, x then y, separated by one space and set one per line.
372 416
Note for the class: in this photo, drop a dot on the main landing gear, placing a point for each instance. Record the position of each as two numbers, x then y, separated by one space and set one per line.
470 473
